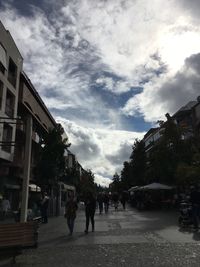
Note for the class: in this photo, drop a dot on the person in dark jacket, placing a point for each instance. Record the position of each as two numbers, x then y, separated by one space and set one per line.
115 199
106 200
70 212
195 200
90 207
100 202
124 199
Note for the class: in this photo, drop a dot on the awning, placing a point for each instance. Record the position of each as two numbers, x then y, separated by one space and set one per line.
12 186
156 186
134 188
3 57
67 187
34 188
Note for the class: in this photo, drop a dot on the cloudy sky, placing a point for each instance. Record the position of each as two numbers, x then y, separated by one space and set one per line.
108 69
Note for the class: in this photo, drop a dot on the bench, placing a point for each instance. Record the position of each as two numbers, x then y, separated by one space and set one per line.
14 237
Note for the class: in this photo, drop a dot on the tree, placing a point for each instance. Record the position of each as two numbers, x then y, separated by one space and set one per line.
87 182
72 176
115 186
138 163
51 161
126 181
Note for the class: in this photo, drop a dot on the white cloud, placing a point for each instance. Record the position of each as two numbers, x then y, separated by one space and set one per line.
103 151
83 37
167 93
118 45
103 181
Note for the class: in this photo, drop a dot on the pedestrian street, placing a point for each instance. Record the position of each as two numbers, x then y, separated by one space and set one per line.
121 238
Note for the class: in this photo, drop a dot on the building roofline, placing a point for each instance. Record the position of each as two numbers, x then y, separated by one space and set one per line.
150 131
35 93
10 36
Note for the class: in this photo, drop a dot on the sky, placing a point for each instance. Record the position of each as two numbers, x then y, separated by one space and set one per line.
108 70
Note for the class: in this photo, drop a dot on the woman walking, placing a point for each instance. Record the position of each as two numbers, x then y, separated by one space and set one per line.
70 213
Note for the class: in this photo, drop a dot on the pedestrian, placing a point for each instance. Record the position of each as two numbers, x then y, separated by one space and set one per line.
115 199
5 207
44 208
100 202
195 200
90 207
106 200
124 199
70 212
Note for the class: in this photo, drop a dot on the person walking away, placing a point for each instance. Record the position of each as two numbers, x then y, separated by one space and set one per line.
106 202
5 205
70 212
195 200
100 202
123 200
90 207
115 200
44 208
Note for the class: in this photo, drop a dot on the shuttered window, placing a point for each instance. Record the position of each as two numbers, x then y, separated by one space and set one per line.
3 63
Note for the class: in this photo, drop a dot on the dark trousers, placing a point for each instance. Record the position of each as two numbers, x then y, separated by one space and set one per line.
124 204
70 223
195 215
106 206
89 217
100 207
44 215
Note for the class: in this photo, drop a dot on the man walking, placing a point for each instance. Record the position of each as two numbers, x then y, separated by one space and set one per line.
90 207
195 200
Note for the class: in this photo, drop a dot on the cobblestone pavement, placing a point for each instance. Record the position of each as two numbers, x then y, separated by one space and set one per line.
121 238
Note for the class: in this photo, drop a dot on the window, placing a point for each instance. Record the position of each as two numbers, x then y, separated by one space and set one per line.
3 63
12 72
7 138
37 117
1 93
10 104
2 69
44 125
27 104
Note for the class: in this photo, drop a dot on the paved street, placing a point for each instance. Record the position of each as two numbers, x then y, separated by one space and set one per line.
121 238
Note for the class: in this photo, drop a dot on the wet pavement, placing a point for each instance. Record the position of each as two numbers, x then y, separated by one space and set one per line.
121 238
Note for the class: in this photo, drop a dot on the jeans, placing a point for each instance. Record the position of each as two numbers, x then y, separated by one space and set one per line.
70 223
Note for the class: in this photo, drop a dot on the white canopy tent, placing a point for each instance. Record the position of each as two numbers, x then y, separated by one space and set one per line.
133 188
156 186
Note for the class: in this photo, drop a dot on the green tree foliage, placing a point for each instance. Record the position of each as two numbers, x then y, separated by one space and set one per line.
171 152
138 163
87 182
51 162
115 186
171 160
187 174
72 177
165 155
126 177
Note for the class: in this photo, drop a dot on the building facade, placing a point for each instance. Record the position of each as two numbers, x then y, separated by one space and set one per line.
11 63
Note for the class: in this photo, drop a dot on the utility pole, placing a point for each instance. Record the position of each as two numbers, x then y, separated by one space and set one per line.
26 174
